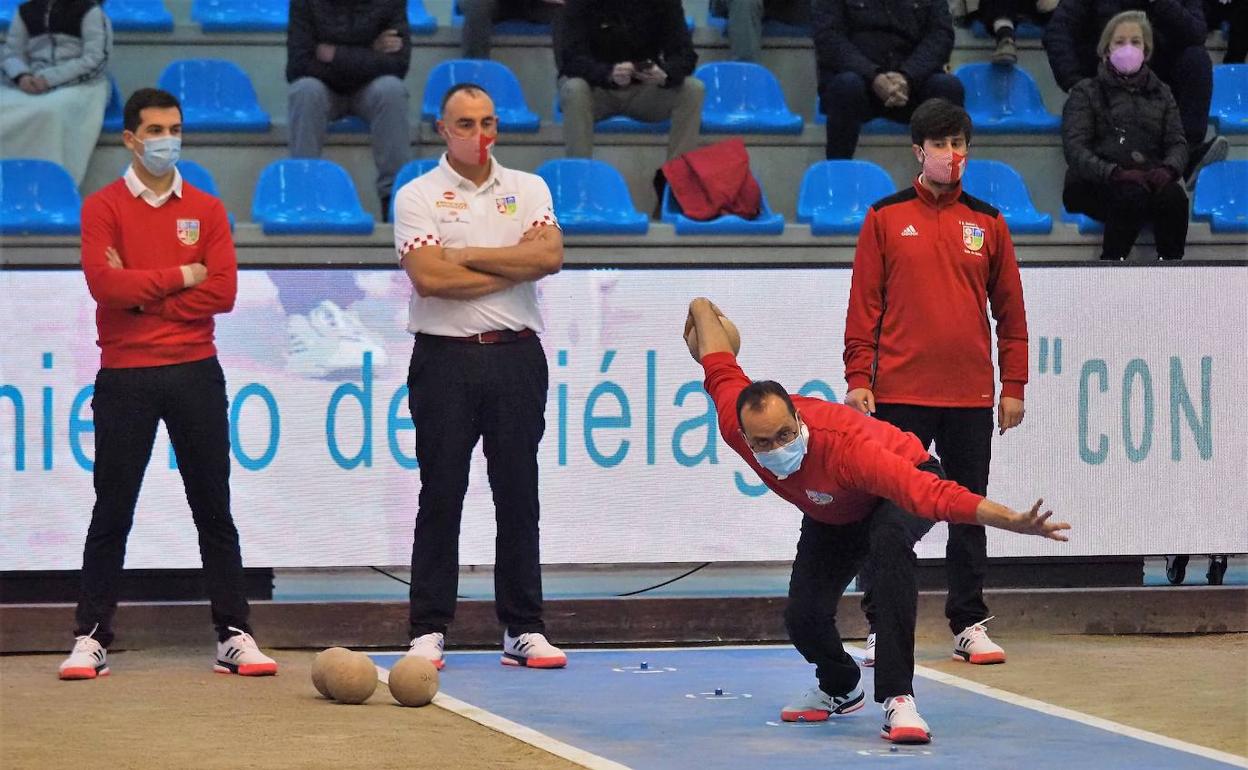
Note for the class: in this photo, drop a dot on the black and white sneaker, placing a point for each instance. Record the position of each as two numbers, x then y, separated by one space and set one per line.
88 660
531 650
1205 154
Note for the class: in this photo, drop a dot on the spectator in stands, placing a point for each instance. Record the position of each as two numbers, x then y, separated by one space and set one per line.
1234 14
1000 17
54 92
881 58
1124 145
745 21
349 57
480 16
627 57
1179 58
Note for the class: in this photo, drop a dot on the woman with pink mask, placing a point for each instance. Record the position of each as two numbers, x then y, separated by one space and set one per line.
1124 145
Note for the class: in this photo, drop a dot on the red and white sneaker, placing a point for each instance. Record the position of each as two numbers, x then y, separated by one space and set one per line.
902 723
88 660
868 660
974 646
531 650
815 705
241 655
429 647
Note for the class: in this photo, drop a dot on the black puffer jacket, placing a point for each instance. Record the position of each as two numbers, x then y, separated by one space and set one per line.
595 35
1110 121
351 26
913 37
1071 35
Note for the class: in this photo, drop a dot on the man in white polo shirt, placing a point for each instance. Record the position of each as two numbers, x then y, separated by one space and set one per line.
474 238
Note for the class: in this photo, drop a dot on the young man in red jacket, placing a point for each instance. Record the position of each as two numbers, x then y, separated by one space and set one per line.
862 484
160 263
918 347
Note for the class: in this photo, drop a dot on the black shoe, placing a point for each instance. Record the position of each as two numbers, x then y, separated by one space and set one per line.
660 184
385 208
1206 153
1176 569
1217 570
1006 53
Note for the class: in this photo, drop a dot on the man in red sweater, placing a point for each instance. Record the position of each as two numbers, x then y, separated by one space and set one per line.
918 346
160 264
861 485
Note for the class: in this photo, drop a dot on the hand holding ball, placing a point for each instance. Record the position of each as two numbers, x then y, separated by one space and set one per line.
734 338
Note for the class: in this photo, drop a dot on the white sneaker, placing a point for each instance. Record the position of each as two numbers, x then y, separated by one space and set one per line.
974 646
902 723
531 650
868 660
429 647
815 705
328 340
240 655
88 660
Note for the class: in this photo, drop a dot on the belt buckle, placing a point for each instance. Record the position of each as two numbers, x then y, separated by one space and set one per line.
481 338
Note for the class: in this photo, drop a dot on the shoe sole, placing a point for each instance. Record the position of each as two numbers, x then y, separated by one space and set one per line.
819 715
78 674
906 735
1218 152
868 662
982 659
247 669
519 660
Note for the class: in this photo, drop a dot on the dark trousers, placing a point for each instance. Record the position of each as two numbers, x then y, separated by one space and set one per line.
963 439
849 101
459 393
1125 208
828 557
480 16
1189 73
1012 10
1234 13
128 405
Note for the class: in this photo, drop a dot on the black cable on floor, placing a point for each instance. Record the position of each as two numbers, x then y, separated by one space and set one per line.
666 582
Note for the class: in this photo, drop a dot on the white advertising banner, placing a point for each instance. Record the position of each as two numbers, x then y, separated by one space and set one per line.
1135 432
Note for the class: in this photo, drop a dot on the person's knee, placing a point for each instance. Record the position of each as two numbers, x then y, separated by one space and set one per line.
1172 199
477 9
1192 62
692 91
308 93
845 85
945 86
801 618
1129 199
575 93
388 90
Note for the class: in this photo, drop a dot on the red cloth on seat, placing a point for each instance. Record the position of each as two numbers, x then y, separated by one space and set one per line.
715 180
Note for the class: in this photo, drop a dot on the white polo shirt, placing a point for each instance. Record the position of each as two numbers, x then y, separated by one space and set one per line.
442 208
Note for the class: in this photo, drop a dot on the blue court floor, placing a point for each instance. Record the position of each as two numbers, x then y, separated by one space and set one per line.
712 708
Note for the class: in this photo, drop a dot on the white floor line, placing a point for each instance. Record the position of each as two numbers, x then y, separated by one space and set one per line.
518 731
1071 714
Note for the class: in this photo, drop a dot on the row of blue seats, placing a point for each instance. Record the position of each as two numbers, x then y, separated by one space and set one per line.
590 197
741 98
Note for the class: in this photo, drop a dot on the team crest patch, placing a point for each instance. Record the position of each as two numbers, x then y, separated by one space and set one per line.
973 237
819 498
188 231
506 205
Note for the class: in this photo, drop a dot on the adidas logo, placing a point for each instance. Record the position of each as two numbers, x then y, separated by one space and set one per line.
909 231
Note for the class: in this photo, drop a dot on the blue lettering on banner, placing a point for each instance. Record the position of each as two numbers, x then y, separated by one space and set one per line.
594 422
275 427
394 424
365 397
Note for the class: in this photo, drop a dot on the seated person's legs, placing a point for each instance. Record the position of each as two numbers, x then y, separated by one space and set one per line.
1168 210
682 104
745 27
383 103
1189 73
479 18
311 105
577 100
848 103
940 86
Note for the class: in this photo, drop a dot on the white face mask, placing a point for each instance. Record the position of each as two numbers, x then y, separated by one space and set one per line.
161 154
786 460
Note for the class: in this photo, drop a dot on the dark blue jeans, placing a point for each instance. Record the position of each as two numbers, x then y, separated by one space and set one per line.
128 404
849 101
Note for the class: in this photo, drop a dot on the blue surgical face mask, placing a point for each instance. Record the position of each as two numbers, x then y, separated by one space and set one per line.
786 460
161 154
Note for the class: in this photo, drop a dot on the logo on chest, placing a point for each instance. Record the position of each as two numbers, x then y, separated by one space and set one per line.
972 237
819 498
506 205
188 232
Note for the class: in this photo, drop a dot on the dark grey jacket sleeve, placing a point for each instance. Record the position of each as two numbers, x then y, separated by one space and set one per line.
361 64
833 50
301 61
1079 135
577 59
932 53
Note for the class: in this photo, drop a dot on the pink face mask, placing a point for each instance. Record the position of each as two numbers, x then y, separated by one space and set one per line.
943 169
473 150
1126 60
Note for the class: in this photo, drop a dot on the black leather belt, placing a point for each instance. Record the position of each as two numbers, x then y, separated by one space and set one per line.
497 337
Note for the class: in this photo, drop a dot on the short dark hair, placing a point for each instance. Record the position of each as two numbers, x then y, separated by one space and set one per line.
143 99
470 87
754 394
938 118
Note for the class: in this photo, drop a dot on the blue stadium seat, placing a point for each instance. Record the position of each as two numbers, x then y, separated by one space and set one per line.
1005 100
420 20
349 124
1222 196
114 119
7 9
1024 30
768 222
591 198
139 16
513 112
1086 224
875 126
37 197
216 95
836 194
1230 98
1000 185
410 170
618 124
744 98
200 177
771 27
240 15
308 196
